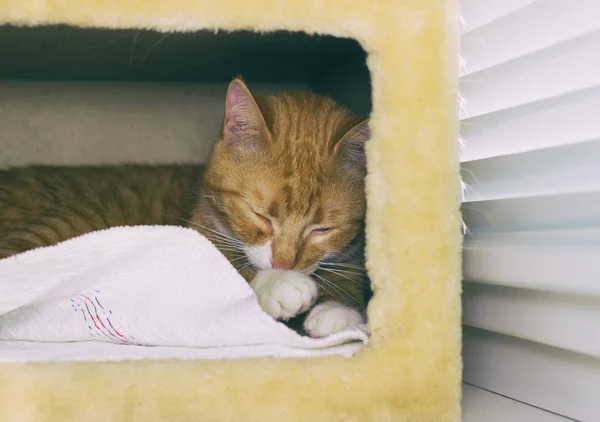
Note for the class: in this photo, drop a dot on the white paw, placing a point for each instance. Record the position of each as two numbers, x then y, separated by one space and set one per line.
330 317
284 294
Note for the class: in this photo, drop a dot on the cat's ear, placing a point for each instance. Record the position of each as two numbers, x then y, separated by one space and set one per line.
351 148
244 125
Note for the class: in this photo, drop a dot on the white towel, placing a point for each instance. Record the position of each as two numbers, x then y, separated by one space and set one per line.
146 286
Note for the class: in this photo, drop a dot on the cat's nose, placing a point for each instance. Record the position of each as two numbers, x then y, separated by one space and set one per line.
281 264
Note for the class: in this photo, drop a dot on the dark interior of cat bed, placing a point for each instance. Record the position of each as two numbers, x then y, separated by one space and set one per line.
72 96
97 96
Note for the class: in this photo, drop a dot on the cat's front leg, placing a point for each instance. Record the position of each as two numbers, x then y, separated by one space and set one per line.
330 317
284 294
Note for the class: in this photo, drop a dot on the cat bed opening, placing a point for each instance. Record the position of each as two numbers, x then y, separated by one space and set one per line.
73 102
155 91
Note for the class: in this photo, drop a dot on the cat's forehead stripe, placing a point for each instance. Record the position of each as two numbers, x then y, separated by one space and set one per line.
274 208
318 216
300 199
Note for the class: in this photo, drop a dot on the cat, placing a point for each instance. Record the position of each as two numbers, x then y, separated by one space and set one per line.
281 196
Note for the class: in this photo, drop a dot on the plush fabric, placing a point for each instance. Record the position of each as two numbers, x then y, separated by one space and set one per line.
411 371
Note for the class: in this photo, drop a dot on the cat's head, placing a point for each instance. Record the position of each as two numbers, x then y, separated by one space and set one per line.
286 178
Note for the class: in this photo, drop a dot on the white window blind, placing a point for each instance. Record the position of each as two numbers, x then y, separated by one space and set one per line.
530 131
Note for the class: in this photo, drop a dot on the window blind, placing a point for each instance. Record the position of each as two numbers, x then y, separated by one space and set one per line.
530 135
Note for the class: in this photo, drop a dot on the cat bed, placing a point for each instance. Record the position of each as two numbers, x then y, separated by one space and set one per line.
145 286
411 369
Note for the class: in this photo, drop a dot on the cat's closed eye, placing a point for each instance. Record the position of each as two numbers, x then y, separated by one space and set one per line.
265 220
322 230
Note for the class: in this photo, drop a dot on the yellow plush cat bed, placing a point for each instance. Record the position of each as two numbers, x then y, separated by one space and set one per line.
411 370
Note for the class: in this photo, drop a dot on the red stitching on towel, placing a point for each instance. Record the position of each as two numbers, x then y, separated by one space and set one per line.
100 320
94 321
114 328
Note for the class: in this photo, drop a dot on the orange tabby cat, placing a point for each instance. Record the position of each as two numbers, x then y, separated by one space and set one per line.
282 196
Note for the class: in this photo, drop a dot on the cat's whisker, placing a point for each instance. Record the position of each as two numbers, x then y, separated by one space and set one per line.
344 276
218 234
336 287
243 267
237 259
340 289
195 192
222 235
354 270
132 48
227 248
232 250
161 39
221 243
324 288
345 270
342 272
221 239
345 265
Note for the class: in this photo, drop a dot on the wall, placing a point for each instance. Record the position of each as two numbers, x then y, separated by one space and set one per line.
98 123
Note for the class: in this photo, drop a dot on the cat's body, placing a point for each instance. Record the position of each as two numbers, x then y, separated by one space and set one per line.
41 206
282 196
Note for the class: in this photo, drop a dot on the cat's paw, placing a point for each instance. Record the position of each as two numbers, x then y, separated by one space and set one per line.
330 317
284 294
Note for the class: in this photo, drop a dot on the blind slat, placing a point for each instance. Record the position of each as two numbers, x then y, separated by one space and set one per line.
565 321
563 120
543 212
578 236
560 269
560 69
477 13
536 26
553 171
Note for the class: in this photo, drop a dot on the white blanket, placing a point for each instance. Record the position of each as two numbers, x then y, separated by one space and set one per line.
141 286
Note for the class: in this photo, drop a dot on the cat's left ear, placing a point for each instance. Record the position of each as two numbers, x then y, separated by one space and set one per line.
351 148
244 126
